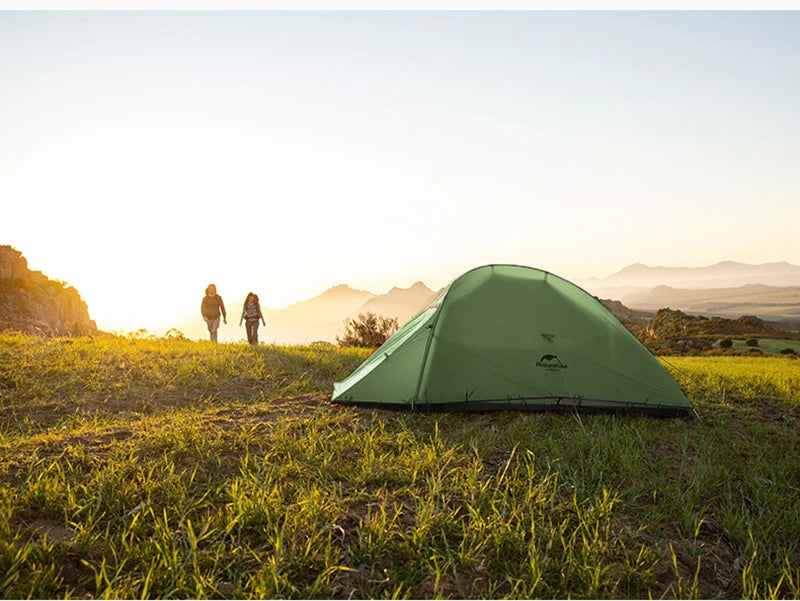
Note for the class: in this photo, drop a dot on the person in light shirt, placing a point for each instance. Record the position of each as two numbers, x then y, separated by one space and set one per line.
251 314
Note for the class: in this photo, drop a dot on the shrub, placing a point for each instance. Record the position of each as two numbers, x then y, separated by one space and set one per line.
726 343
788 351
368 330
752 342
77 328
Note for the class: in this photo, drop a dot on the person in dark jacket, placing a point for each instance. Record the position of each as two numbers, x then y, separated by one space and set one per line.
211 307
251 313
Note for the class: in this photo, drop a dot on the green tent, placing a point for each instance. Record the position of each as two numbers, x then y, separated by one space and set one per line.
512 337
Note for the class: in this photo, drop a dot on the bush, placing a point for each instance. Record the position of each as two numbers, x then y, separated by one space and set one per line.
77 328
788 351
752 342
368 330
726 343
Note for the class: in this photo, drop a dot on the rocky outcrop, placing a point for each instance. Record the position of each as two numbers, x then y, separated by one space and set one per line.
633 320
33 303
672 331
12 264
675 323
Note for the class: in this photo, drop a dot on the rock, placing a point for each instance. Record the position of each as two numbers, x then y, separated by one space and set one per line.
31 302
12 264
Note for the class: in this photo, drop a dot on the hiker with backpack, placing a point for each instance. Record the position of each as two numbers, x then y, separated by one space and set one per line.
251 313
210 308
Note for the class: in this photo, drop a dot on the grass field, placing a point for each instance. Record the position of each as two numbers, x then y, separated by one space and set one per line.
163 469
771 346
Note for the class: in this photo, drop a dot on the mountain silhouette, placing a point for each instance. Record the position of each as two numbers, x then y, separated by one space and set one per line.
766 302
402 303
633 281
322 317
725 274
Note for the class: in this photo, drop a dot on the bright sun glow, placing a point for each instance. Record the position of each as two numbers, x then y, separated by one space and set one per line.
145 155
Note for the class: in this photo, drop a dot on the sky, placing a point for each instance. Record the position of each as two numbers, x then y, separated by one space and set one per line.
144 155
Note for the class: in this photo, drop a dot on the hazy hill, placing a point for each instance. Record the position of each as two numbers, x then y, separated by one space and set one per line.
320 318
31 302
310 320
768 302
402 303
725 274
756 291
639 278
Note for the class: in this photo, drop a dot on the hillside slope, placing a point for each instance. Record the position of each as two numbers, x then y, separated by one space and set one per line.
322 317
725 274
750 299
31 302
634 284
402 303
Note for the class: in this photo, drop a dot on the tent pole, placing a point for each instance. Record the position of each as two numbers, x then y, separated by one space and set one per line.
432 327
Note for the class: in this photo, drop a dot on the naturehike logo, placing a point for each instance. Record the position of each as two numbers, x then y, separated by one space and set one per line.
550 363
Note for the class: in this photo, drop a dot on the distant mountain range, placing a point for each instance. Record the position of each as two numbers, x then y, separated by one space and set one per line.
637 278
322 318
770 291
729 289
32 302
766 302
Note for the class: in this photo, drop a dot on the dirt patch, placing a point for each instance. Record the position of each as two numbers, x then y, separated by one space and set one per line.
351 583
778 413
115 436
102 441
165 400
303 402
269 411
38 528
719 569
462 586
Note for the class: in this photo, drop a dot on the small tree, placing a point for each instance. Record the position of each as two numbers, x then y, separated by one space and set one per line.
367 330
726 343
752 342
